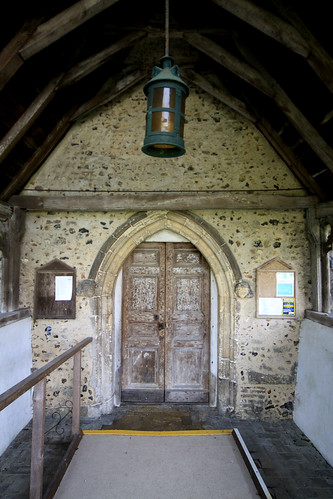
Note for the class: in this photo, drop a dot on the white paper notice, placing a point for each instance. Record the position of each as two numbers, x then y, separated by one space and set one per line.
270 306
63 287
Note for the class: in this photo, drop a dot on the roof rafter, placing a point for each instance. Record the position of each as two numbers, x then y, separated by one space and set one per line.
95 61
67 20
270 87
10 59
268 23
221 94
106 96
295 36
319 60
40 154
14 135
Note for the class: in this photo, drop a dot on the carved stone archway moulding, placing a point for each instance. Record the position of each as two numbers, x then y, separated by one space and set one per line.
108 265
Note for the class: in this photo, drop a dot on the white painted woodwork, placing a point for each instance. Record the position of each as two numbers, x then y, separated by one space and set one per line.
168 236
314 388
15 364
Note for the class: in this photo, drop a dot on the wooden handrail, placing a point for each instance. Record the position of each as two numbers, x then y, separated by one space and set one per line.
7 397
38 380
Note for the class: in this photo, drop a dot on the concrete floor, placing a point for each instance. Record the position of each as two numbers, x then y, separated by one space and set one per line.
146 466
288 463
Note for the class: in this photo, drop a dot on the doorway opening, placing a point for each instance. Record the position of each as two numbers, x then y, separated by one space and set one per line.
165 324
106 277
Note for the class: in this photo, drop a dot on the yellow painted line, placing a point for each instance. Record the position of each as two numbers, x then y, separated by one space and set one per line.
158 433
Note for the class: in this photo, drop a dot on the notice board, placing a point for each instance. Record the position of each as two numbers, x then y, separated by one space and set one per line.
276 290
55 291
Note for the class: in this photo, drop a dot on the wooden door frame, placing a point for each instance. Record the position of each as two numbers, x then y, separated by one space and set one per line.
168 236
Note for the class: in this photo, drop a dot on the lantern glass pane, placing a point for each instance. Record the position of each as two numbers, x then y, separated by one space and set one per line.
164 146
164 97
163 121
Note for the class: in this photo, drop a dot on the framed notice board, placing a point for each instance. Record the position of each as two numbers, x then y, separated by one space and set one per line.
276 290
55 291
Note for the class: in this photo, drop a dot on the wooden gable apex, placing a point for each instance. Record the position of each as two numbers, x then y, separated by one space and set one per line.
276 264
56 265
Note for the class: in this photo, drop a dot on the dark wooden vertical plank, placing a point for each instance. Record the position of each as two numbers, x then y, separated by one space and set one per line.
326 246
76 393
313 234
37 444
15 234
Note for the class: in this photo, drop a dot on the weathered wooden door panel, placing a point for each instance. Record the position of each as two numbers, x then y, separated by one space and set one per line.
187 319
165 344
143 343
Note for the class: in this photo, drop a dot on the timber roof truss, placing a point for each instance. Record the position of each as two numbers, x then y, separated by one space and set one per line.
270 61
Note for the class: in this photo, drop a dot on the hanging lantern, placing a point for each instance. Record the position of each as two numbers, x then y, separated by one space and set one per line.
165 117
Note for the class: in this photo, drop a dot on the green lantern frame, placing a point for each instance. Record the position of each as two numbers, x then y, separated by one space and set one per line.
165 118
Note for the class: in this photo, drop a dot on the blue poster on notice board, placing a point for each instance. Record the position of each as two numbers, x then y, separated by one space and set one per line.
285 283
288 307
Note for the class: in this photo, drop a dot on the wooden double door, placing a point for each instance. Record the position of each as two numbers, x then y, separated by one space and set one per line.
165 341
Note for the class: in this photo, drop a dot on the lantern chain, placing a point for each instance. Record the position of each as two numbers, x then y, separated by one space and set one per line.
166 27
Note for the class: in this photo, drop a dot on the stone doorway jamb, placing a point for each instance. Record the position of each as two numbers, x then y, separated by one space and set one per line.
108 265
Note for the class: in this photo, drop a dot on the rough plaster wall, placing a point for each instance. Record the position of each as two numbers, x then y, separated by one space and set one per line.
266 349
15 365
102 152
75 238
314 389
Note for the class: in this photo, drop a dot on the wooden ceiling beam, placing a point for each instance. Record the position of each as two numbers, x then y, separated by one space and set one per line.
304 128
38 157
10 59
91 63
263 82
297 119
107 95
15 134
268 23
229 61
221 94
319 60
325 210
62 24
179 200
251 113
293 34
289 157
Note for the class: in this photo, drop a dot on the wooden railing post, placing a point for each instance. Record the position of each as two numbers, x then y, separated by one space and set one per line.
76 393
37 445
38 380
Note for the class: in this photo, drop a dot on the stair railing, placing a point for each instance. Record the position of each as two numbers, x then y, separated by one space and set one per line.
38 380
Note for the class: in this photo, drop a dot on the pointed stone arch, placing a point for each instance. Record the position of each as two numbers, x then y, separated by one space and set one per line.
107 267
